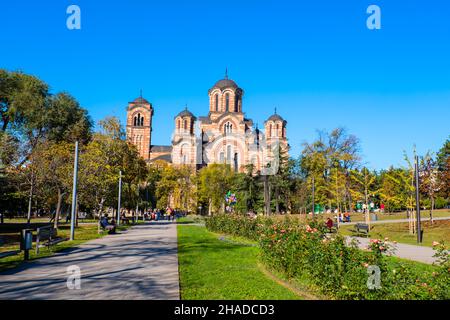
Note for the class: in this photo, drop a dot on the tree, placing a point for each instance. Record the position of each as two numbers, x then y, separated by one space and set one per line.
52 164
213 183
248 191
443 167
329 160
365 184
430 184
66 120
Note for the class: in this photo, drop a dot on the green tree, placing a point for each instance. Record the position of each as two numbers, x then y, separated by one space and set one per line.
213 183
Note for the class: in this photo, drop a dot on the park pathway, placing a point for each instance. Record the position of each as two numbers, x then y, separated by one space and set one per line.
394 221
401 250
138 264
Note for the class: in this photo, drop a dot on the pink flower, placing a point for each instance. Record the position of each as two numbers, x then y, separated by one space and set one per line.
366 265
381 248
283 231
435 243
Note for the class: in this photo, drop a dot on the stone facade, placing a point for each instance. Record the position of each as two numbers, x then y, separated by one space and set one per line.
225 135
139 125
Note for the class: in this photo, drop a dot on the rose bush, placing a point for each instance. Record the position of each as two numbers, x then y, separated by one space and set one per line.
337 269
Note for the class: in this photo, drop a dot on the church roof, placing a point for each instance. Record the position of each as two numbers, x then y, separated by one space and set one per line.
140 100
161 149
185 113
225 83
275 117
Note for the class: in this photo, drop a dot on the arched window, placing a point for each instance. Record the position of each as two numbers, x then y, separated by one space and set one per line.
217 102
229 154
227 102
236 162
135 121
222 157
185 124
270 130
228 128
278 130
184 154
179 124
142 122
236 106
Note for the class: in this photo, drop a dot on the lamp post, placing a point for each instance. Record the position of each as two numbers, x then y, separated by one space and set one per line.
74 194
120 195
419 229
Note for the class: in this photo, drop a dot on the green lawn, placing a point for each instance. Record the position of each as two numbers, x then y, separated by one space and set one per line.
439 231
360 217
216 270
82 234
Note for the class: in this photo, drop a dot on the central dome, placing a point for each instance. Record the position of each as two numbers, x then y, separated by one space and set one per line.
225 83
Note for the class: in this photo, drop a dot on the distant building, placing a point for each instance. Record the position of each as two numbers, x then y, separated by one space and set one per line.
225 135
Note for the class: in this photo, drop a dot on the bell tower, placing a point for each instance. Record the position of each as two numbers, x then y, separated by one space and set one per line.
139 125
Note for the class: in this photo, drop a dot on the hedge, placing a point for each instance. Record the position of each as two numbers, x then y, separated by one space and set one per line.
337 270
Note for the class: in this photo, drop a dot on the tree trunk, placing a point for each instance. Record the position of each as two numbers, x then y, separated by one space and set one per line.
30 200
58 209
100 210
431 210
277 201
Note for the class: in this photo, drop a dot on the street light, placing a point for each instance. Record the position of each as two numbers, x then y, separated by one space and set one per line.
419 229
74 194
120 195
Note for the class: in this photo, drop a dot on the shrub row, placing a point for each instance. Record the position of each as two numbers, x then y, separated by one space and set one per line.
337 270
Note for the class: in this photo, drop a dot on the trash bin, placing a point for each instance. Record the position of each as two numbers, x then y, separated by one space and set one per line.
27 242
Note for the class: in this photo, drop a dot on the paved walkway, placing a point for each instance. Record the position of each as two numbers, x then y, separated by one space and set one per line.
138 264
393 221
401 250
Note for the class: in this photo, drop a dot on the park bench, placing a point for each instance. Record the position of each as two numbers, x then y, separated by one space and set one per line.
49 236
362 228
125 220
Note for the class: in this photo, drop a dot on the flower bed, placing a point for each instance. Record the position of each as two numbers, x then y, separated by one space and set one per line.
338 270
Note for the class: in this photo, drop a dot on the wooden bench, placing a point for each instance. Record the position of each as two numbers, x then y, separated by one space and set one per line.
125 220
48 235
362 228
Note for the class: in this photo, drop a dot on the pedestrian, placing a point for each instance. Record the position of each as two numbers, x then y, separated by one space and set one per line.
329 224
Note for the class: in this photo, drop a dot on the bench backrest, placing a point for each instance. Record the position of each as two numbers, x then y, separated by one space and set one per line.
362 226
46 233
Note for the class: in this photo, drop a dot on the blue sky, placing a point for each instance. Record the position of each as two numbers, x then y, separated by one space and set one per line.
315 61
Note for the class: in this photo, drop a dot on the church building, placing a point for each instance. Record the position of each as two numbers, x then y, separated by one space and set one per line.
224 135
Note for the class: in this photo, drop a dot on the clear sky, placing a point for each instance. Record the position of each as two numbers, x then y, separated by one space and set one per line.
316 61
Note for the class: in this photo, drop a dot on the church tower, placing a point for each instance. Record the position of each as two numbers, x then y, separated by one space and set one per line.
139 125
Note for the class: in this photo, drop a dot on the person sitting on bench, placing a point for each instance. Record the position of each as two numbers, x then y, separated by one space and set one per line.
111 228
329 224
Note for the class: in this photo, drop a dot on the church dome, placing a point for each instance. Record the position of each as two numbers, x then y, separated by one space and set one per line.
140 100
225 83
275 117
185 113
